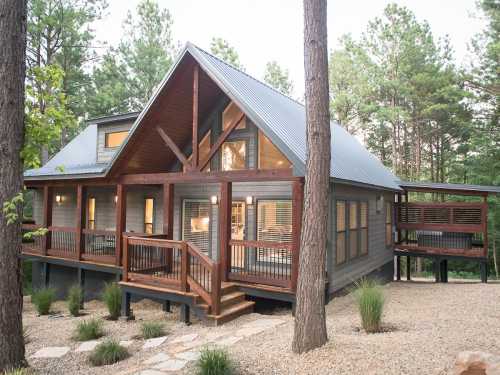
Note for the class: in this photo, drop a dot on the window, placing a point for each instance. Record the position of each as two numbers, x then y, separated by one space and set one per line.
203 151
231 114
233 155
269 155
149 215
363 215
238 221
341 232
196 222
274 224
388 223
115 139
353 229
91 213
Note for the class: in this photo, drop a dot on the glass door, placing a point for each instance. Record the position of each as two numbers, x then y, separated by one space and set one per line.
238 231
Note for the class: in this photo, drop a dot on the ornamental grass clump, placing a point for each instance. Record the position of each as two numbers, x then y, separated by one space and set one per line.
89 330
43 299
370 300
107 353
151 330
75 297
112 297
18 371
214 362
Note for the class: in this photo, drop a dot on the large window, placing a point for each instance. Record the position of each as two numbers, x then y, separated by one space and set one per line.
233 155
91 213
115 139
231 114
269 155
196 222
388 224
149 215
341 232
274 224
351 230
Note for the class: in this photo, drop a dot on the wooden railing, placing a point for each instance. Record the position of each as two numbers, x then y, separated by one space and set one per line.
99 246
172 264
62 242
261 262
35 243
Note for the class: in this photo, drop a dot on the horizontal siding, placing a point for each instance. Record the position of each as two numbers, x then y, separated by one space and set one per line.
104 154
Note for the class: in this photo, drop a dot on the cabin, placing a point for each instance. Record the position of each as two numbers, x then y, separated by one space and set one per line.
197 200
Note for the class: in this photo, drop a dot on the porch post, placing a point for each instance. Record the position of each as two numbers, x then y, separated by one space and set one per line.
121 217
168 219
80 220
485 225
195 159
47 216
225 227
297 207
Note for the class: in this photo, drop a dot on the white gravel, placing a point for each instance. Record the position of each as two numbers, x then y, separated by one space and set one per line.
427 325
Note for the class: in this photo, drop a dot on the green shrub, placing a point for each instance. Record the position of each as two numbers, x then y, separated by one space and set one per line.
75 296
152 329
112 297
89 330
370 299
107 353
18 371
214 362
43 299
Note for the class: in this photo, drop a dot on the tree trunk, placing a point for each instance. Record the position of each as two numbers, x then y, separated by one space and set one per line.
12 75
310 324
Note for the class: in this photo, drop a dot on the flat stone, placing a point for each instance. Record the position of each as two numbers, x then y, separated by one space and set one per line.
153 343
87 346
171 365
227 341
51 352
160 357
126 343
150 372
189 356
211 336
249 331
185 338
265 323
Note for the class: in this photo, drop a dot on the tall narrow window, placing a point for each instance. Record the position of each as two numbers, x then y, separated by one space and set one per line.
196 222
91 213
149 215
269 155
363 215
114 139
233 155
238 221
341 232
388 223
353 229
231 114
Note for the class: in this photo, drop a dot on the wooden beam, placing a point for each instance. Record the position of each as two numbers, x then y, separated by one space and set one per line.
168 219
195 158
220 141
80 220
171 144
48 194
485 226
297 208
121 218
225 228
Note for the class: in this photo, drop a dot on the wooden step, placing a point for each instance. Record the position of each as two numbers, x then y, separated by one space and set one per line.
231 299
232 312
227 288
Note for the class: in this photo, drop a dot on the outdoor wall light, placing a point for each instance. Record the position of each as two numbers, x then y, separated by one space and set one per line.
58 199
116 198
249 200
214 199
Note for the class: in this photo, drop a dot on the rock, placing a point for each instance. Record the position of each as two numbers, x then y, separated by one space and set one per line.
188 356
51 352
477 363
160 357
87 346
126 343
153 343
171 365
184 339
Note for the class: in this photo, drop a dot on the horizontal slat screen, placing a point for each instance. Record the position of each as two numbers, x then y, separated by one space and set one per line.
196 223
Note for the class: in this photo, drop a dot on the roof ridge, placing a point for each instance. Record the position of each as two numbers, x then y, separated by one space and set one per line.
248 75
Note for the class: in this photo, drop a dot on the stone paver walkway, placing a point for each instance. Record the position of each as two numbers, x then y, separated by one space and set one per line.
52 352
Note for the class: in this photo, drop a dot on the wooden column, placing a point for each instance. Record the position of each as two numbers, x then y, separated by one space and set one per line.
408 268
485 225
398 268
195 159
225 228
80 220
121 217
48 194
168 220
297 208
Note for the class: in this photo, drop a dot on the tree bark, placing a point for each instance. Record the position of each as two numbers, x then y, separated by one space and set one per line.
310 324
12 75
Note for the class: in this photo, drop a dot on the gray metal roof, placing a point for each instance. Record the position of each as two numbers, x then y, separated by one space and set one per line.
446 186
113 118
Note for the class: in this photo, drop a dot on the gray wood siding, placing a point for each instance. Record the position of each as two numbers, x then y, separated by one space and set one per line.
378 253
104 154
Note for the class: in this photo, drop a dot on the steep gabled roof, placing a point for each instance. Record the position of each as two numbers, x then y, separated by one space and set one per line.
282 119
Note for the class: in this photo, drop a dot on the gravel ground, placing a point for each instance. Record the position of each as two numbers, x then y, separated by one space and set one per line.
426 325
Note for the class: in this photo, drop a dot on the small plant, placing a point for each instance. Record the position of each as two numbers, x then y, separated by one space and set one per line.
18 371
107 353
214 362
370 299
112 297
43 299
89 330
75 296
151 330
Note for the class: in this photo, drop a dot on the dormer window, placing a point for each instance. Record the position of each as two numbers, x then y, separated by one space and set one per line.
115 139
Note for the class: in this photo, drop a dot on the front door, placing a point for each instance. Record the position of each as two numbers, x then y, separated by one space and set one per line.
238 231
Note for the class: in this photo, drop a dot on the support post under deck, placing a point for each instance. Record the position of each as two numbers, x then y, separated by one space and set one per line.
185 314
81 284
166 306
484 272
408 268
398 267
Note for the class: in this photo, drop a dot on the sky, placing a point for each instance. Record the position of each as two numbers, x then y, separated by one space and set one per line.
266 30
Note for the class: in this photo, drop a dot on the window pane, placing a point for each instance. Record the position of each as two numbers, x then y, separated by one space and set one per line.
233 155
364 214
274 224
353 215
148 215
231 114
364 241
196 223
269 155
115 139
340 248
340 216
91 221
353 243
238 221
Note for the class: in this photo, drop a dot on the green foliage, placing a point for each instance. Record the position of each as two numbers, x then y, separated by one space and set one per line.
11 208
278 78
221 49
43 299
152 329
18 371
107 353
89 330
112 297
75 297
214 362
370 300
